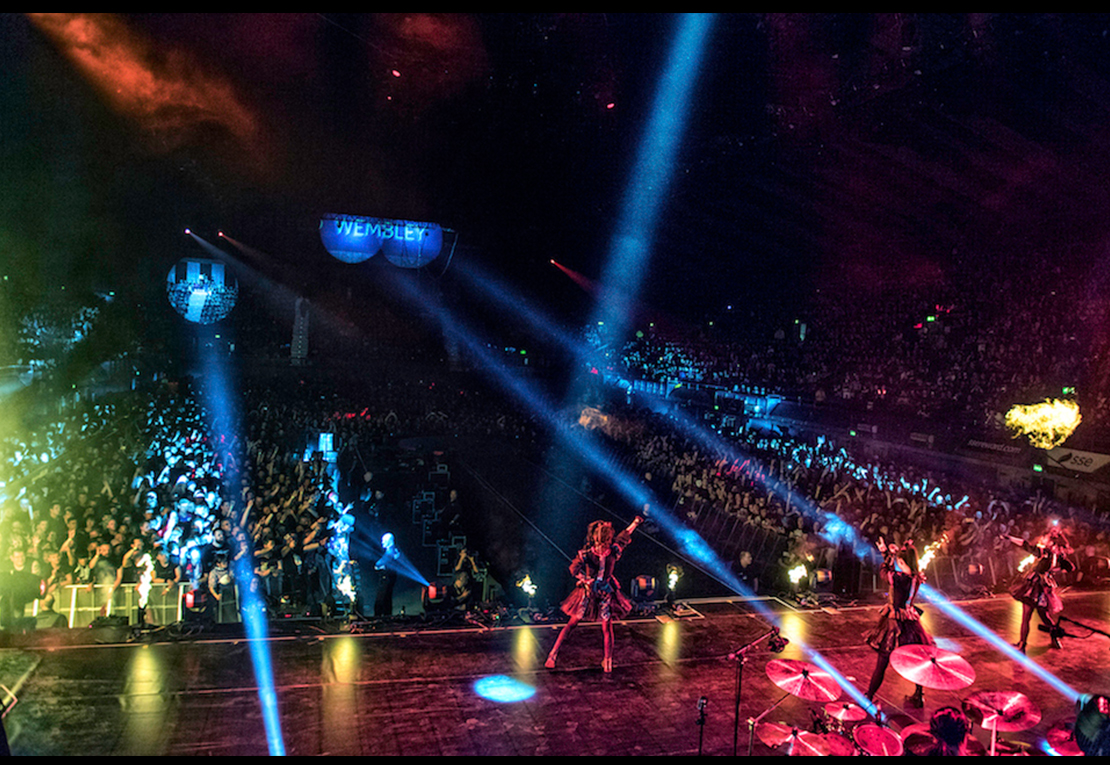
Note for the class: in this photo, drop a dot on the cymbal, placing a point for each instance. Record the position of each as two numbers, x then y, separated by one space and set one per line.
802 679
807 744
932 667
1002 710
1061 737
878 741
774 734
845 711
797 742
839 745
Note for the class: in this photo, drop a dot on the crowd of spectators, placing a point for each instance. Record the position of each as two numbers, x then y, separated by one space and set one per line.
809 490
92 487
962 352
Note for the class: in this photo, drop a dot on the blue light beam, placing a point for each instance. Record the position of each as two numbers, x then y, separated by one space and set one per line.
221 402
630 248
691 543
836 531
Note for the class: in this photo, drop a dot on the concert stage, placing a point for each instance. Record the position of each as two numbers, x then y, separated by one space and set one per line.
415 688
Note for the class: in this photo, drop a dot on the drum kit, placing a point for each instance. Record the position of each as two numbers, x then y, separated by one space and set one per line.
842 728
839 731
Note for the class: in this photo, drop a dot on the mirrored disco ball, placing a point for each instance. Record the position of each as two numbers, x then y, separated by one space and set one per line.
202 291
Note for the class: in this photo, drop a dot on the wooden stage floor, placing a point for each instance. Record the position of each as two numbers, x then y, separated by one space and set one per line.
417 690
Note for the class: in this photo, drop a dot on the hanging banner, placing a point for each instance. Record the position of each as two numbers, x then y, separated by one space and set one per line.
356 238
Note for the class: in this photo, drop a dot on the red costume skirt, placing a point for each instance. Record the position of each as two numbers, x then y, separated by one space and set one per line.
1035 591
896 628
594 606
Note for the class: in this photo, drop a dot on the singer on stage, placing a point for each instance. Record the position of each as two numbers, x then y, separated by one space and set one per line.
598 595
1037 589
900 620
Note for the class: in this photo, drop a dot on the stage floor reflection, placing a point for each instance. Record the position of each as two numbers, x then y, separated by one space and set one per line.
414 689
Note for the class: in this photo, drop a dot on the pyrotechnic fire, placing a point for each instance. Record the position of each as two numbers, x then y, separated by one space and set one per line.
345 584
930 551
797 573
1026 562
146 565
674 573
527 585
1047 424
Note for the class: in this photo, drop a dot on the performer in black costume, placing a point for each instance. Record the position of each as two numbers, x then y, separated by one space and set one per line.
598 595
387 576
900 620
1037 589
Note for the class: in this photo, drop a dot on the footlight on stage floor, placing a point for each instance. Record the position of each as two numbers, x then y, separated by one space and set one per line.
435 595
642 588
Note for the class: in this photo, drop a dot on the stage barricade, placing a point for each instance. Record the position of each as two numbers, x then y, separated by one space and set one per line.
82 604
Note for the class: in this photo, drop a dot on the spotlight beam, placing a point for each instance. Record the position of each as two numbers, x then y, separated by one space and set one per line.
220 394
631 245
835 530
688 540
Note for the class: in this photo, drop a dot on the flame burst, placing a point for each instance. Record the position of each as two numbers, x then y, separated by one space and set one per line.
674 573
592 419
797 573
1026 562
930 551
527 585
146 578
1047 424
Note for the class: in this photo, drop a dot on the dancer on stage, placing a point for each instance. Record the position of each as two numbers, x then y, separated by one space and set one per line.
1037 589
900 620
598 594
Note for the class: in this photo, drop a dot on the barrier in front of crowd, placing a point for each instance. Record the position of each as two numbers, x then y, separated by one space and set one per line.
81 605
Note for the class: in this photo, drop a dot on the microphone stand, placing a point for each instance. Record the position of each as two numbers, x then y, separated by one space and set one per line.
740 656
1059 630
702 703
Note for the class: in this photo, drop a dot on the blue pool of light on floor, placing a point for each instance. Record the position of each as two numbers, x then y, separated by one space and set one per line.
503 689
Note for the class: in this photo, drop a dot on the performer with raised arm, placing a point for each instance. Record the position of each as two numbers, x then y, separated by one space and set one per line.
900 620
1037 590
598 594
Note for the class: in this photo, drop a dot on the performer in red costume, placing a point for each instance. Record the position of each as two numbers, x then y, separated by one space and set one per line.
598 596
